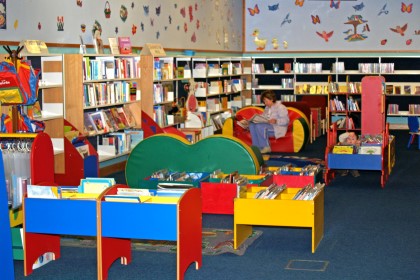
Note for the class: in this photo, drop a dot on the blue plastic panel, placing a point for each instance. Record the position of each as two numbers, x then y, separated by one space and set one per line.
139 220
60 216
356 161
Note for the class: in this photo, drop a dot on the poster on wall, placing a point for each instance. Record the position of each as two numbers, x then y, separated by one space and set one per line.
331 25
3 14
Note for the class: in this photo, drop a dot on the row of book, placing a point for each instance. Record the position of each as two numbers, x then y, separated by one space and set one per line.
414 109
163 93
402 89
346 122
376 68
163 69
308 192
99 94
110 67
271 192
117 143
108 120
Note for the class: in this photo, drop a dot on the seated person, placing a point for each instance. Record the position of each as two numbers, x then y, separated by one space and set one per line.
278 120
349 138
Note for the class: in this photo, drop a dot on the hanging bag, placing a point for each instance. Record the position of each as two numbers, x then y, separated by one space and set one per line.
11 91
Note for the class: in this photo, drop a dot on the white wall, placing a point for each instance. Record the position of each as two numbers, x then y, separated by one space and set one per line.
300 32
217 24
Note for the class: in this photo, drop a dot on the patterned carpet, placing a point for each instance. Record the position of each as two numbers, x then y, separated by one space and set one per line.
297 161
215 242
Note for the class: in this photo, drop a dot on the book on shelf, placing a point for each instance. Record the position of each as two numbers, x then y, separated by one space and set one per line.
126 198
113 45
129 115
98 121
271 192
117 118
36 191
124 44
89 125
129 195
95 185
83 149
112 123
134 136
123 116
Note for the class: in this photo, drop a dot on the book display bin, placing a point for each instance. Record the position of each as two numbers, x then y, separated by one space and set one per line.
163 218
282 211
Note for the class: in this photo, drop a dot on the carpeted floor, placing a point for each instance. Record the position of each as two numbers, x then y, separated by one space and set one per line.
369 233
215 242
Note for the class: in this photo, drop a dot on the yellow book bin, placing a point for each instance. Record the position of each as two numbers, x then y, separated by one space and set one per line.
281 211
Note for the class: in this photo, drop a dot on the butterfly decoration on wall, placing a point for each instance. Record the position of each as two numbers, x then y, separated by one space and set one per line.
254 11
185 27
132 5
79 3
158 11
383 11
198 24
274 7
182 11
193 38
299 3
152 21
286 20
335 4
116 30
196 7
190 13
400 29
146 10
170 20
134 29
358 7
416 32
157 35
315 19
325 35
406 8
142 26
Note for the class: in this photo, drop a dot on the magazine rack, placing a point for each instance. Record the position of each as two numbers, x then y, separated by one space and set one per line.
163 218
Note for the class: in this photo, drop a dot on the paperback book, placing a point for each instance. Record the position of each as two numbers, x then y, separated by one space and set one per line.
124 44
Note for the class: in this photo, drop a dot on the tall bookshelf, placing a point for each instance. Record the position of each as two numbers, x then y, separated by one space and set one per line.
310 76
222 85
80 76
159 87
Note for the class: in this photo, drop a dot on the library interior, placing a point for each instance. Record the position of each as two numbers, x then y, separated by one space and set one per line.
131 139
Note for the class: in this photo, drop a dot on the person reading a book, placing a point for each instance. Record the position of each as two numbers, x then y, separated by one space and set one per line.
349 138
276 123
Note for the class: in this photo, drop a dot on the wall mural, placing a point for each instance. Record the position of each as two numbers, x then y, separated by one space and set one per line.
188 24
332 25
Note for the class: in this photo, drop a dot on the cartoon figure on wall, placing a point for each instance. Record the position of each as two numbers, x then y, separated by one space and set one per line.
97 40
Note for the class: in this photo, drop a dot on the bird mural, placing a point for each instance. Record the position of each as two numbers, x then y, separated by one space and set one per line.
325 35
400 29
260 43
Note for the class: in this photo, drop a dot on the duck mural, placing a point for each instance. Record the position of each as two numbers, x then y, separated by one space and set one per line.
260 43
